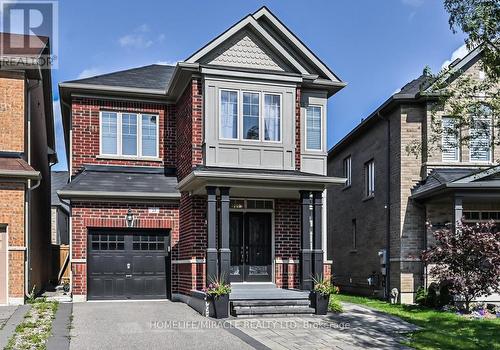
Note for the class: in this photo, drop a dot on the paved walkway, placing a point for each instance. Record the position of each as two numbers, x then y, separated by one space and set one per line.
146 325
168 325
5 313
10 317
356 328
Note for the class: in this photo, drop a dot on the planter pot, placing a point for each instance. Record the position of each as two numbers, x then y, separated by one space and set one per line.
221 306
321 303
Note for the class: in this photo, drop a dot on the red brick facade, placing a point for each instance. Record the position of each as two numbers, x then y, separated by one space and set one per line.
190 128
87 215
85 128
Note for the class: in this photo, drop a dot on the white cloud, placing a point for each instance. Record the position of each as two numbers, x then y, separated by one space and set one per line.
413 3
136 41
458 53
90 72
168 63
60 147
139 39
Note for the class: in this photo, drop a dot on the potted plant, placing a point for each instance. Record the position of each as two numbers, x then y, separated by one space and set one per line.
218 291
323 288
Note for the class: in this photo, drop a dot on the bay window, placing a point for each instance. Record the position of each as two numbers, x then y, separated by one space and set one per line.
128 135
313 128
250 115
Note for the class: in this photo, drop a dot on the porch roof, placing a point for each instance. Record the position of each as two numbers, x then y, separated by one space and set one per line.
453 179
261 182
117 182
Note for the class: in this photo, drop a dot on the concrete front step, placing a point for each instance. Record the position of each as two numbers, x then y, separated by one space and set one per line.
282 302
271 310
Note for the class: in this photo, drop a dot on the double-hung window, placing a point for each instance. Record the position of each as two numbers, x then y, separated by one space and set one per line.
370 178
129 135
480 139
229 114
250 115
347 171
313 128
450 140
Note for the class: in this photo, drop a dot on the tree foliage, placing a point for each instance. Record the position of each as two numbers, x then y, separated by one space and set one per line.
473 103
468 258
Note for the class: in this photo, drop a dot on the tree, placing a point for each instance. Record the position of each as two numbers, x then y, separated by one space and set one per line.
468 258
480 20
472 103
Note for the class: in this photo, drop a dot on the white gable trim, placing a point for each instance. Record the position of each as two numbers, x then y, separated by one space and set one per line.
478 176
308 53
247 21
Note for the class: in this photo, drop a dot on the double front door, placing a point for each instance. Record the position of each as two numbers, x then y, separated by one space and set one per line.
250 240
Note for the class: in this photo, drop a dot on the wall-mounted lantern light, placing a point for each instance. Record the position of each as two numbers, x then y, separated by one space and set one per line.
129 218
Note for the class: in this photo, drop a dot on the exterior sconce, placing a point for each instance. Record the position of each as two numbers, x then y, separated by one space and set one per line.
129 218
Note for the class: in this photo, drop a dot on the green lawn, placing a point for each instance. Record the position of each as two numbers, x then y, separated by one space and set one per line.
440 330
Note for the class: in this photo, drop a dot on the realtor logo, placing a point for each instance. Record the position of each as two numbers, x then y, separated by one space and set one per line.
29 28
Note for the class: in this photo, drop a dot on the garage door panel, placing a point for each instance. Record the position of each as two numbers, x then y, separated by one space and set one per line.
127 265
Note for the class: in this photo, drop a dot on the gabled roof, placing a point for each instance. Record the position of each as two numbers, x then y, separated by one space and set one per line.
417 90
154 77
279 38
457 178
117 182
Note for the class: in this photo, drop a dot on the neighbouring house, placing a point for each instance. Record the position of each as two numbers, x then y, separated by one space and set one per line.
377 221
214 166
59 214
26 153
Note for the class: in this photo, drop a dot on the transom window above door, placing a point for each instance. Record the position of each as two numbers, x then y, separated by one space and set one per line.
129 135
250 115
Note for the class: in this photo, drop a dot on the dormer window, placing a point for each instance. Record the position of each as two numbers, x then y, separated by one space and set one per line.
128 135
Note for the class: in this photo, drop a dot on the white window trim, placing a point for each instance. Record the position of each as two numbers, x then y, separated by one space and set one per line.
239 119
119 154
457 160
369 180
490 153
320 131
349 170
261 113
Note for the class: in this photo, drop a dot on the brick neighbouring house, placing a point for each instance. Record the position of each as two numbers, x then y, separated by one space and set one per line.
228 180
26 153
439 187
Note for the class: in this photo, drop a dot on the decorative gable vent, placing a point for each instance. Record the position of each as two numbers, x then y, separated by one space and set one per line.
245 50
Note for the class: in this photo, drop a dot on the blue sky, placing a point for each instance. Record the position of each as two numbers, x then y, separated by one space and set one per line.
374 46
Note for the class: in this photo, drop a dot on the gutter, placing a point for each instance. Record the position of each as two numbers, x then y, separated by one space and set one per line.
111 88
21 174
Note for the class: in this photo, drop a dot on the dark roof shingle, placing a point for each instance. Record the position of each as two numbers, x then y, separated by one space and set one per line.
439 177
58 180
153 77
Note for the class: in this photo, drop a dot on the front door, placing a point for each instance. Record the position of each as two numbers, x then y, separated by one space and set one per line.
250 240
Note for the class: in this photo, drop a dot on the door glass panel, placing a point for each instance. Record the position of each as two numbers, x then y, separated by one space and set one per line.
259 244
235 244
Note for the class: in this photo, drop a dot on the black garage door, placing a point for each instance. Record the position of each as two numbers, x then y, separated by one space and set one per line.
128 264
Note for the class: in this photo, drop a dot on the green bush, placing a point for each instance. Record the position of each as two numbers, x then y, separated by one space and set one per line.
334 305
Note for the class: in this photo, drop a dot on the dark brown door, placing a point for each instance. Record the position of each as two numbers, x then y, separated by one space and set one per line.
251 247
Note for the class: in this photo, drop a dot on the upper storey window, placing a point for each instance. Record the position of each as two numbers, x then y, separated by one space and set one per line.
450 141
313 129
129 135
480 139
249 115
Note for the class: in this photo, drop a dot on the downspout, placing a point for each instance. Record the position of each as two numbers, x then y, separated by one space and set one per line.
388 211
27 215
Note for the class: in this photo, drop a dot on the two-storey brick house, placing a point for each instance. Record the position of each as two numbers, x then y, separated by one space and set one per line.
27 147
214 166
377 221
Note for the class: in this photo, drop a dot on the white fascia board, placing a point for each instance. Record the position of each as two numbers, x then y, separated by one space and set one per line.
265 12
109 194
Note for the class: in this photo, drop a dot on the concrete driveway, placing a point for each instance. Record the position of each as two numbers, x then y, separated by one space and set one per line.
147 325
